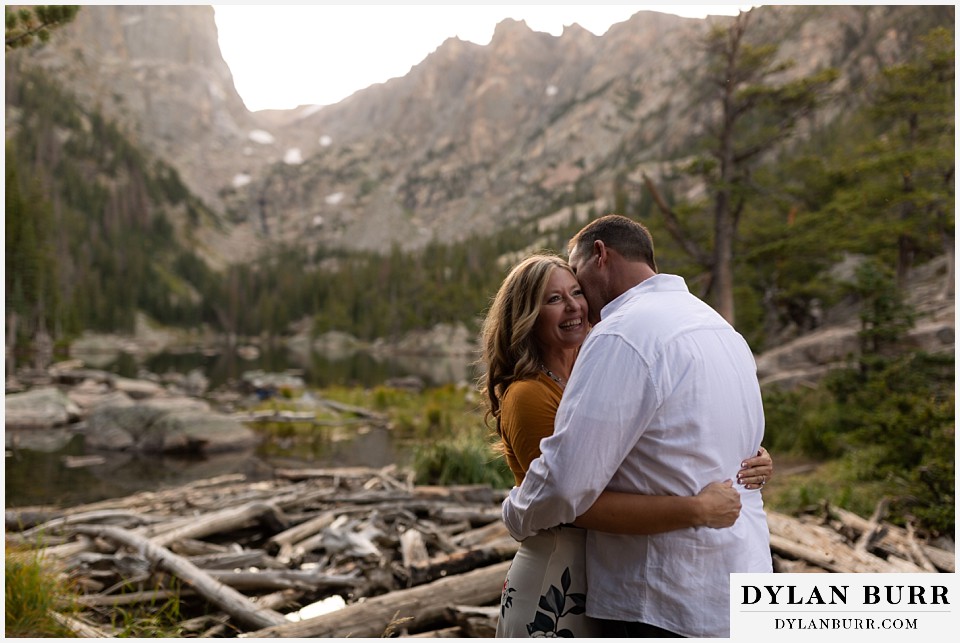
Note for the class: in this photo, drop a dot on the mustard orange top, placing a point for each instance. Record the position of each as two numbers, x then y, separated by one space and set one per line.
527 412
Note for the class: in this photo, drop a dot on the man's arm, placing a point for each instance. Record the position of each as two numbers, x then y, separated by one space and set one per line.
607 404
716 506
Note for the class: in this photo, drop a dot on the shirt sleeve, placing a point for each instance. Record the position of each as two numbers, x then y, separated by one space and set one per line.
609 401
527 417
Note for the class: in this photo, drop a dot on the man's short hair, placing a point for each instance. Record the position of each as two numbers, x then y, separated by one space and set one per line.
628 237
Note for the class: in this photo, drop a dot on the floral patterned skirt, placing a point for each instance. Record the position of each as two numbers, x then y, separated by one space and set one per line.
545 592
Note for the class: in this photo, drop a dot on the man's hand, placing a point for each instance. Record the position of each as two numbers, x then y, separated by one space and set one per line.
719 505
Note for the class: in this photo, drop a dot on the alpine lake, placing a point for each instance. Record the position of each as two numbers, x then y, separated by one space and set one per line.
53 467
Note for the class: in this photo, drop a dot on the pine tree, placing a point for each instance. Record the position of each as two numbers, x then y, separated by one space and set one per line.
915 106
30 279
756 114
26 25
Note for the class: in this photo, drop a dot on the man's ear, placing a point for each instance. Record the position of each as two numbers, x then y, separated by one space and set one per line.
601 249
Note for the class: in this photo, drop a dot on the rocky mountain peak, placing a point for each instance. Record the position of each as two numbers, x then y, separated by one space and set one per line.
577 34
509 29
471 139
157 70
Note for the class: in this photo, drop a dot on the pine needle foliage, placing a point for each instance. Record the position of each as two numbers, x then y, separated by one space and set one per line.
27 25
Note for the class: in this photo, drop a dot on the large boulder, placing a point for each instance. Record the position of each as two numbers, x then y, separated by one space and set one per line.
138 389
89 395
151 429
46 441
178 403
193 431
442 339
40 408
828 347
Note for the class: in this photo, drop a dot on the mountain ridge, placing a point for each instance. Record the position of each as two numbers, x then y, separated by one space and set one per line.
473 138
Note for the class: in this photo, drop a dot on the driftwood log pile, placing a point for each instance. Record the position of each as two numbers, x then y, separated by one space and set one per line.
264 558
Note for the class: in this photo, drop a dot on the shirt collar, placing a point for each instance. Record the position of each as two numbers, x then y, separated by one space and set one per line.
656 283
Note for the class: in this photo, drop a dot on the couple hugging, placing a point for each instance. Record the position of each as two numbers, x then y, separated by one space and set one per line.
626 505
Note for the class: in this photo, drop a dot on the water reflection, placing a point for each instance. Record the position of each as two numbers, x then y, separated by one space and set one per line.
42 477
37 477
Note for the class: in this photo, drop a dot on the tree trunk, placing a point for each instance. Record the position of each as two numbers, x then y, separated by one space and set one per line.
723 259
723 223
11 345
413 608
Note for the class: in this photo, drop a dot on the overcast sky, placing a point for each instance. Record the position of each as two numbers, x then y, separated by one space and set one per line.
283 56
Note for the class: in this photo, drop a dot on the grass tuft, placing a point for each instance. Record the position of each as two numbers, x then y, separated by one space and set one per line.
32 592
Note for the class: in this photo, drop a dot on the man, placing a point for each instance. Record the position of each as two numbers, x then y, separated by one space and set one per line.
663 399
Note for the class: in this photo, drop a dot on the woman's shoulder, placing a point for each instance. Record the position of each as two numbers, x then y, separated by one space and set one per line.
530 385
537 387
527 413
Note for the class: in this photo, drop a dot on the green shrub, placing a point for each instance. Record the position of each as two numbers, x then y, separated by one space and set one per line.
466 458
889 429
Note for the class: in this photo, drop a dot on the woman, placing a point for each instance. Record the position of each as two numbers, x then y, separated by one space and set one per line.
531 337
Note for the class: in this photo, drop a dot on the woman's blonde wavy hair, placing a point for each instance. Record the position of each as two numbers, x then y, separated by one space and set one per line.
509 352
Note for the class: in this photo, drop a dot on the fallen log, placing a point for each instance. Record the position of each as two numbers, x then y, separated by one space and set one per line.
827 548
460 494
68 550
492 533
132 598
413 548
197 527
895 540
122 516
444 633
340 407
229 600
283 543
873 526
27 517
80 628
475 516
280 579
233 559
207 623
475 622
190 547
278 600
804 553
379 535
460 562
917 552
422 605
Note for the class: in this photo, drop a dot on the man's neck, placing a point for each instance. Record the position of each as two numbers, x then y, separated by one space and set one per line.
629 275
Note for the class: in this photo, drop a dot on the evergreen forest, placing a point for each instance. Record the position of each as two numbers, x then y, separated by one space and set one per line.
97 230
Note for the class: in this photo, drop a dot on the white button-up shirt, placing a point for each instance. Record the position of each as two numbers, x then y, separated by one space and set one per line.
663 400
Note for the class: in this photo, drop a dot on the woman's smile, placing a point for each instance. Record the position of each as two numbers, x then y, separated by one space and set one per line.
561 324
